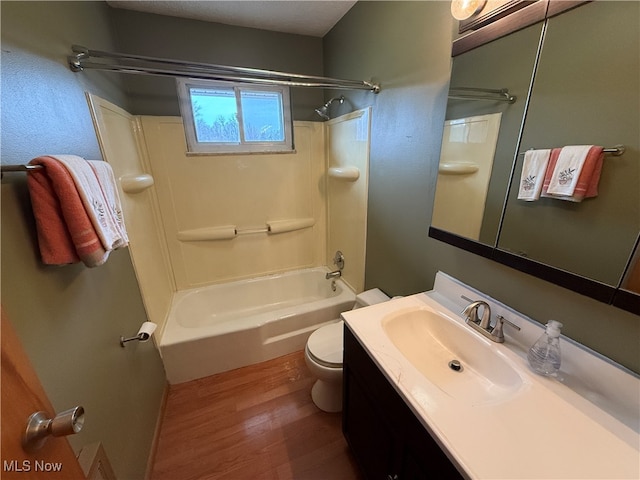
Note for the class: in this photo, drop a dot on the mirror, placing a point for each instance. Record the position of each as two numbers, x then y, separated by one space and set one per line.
470 203
583 93
628 295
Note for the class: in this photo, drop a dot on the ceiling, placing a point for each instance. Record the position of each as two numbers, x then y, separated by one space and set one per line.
304 17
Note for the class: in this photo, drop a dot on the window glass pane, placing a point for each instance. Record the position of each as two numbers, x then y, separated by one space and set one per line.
262 116
233 117
215 115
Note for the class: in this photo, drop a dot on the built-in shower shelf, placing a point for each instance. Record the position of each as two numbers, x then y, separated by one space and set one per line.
349 174
136 183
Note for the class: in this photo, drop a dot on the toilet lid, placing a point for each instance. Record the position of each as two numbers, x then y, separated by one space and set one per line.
325 345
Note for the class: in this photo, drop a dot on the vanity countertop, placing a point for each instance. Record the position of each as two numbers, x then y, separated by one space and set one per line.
547 429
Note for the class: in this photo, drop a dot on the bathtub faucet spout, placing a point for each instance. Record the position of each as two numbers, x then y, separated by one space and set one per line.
338 261
334 274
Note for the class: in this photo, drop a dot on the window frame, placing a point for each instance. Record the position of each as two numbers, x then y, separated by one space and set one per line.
194 147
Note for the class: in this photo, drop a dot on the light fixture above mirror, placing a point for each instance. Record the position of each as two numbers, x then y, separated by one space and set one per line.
463 9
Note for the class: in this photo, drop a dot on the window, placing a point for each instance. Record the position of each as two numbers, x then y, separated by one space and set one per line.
226 117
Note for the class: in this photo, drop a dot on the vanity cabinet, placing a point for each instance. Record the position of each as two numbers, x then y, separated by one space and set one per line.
386 438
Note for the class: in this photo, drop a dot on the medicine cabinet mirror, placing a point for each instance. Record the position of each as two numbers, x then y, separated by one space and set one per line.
561 91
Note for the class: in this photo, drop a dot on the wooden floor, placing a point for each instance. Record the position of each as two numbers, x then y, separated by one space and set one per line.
254 423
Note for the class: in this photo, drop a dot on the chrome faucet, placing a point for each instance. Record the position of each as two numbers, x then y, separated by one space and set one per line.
334 274
471 312
483 325
338 261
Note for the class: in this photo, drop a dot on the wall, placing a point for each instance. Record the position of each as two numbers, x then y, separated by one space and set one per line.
120 143
199 193
407 46
348 139
70 318
194 40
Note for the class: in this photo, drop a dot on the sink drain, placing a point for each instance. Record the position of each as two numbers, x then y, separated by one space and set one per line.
455 365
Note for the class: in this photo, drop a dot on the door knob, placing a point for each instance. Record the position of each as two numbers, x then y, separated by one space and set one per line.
39 427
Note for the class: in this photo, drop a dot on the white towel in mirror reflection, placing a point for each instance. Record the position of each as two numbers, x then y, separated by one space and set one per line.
534 168
573 173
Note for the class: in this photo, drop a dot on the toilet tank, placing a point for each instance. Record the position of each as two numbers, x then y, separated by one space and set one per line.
370 297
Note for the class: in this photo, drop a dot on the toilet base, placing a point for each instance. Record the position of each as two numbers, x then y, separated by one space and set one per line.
327 396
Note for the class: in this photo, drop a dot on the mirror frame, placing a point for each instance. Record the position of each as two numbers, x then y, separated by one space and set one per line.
535 12
627 299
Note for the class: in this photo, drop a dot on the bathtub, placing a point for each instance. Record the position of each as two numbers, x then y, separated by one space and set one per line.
221 327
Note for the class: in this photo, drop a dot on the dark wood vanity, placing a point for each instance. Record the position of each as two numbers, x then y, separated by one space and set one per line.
385 436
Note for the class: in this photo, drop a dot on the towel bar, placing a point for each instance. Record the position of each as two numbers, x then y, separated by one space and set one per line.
228 232
615 151
472 93
19 168
458 168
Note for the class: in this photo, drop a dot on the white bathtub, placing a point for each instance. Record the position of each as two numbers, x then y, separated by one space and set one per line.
221 327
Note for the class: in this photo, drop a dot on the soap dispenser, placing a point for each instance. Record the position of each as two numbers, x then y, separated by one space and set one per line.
544 355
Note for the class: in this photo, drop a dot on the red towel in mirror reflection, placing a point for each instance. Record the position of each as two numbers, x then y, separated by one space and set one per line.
587 185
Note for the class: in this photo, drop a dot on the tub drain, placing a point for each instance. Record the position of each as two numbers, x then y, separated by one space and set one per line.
455 365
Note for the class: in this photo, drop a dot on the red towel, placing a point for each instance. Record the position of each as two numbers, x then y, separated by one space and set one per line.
587 185
65 232
553 159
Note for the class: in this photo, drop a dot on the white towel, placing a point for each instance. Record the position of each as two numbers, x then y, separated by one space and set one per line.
567 170
534 167
96 202
107 181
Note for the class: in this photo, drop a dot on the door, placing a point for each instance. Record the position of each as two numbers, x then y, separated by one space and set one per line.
22 395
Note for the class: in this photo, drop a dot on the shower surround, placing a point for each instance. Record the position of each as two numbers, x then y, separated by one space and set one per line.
211 221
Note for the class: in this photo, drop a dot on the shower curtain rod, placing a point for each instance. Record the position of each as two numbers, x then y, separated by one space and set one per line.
471 93
143 65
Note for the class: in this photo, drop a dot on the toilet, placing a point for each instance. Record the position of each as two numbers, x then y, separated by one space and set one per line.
323 355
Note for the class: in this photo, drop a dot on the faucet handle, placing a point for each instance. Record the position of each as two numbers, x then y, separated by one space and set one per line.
497 330
338 260
502 319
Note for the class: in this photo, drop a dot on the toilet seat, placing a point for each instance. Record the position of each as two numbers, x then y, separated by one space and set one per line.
325 345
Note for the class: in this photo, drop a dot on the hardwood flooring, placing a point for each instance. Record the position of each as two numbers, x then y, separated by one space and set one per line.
256 423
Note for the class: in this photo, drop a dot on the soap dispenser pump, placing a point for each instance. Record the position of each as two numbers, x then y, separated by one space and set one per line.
544 355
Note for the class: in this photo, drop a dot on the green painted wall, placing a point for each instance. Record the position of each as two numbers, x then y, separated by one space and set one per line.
70 318
198 41
406 46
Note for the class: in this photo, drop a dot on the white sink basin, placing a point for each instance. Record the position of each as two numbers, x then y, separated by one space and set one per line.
496 395
430 341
